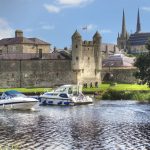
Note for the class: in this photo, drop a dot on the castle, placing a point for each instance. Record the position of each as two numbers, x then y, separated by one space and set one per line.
135 42
29 62
34 66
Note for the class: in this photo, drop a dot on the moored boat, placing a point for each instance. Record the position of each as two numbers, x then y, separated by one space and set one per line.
65 95
15 100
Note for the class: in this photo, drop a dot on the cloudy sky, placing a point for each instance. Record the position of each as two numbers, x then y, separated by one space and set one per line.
55 20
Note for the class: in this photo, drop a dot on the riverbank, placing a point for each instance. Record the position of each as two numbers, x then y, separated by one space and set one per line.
104 91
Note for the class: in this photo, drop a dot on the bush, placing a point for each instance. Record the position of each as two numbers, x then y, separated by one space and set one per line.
126 95
116 95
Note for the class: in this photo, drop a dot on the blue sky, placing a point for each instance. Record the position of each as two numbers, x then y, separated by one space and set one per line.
56 20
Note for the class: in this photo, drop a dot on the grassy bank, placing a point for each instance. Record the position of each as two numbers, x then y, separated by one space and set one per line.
104 91
28 90
118 87
125 95
121 92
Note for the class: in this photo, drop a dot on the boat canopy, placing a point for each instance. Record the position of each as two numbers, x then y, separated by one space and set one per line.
11 93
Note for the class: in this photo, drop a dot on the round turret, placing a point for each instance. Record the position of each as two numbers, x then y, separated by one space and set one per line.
97 35
76 35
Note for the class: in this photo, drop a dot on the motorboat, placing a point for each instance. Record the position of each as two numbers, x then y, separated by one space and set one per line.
15 100
65 95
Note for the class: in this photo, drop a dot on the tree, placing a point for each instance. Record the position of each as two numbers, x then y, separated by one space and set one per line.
143 64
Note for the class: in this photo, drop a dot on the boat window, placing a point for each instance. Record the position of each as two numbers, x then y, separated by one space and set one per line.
61 89
70 91
63 95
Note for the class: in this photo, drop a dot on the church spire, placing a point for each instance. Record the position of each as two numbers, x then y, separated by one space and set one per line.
138 27
123 33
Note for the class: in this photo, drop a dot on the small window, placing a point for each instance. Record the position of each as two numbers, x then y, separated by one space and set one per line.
88 58
63 95
76 46
1 52
58 57
77 58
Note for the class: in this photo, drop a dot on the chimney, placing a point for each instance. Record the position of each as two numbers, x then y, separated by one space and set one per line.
18 33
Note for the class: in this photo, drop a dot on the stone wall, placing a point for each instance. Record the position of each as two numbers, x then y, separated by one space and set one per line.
24 48
30 48
120 75
35 73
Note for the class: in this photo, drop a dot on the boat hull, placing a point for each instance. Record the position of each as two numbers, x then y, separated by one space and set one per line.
62 102
49 101
18 105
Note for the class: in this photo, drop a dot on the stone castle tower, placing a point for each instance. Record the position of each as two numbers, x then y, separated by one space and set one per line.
86 59
123 37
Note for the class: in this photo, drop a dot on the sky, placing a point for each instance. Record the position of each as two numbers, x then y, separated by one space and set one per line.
55 21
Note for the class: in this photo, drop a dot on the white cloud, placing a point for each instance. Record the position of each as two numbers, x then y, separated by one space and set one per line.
59 5
5 30
48 27
73 2
91 27
28 30
103 31
146 9
52 8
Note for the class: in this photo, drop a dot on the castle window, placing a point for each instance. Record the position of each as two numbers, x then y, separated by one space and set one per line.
12 75
76 46
77 58
57 74
88 58
58 57
1 52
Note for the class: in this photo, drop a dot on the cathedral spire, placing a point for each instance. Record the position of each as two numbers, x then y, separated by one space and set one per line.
123 32
138 27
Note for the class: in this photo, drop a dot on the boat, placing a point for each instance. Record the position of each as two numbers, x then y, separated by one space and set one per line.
65 95
15 100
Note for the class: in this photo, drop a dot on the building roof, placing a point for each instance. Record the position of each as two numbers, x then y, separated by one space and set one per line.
22 40
118 60
140 38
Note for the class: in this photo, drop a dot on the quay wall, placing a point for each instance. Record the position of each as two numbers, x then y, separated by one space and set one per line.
120 75
35 73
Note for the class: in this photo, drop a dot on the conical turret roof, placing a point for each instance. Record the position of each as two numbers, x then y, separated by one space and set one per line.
97 34
76 34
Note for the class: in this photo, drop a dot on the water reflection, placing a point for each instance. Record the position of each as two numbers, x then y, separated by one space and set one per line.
106 125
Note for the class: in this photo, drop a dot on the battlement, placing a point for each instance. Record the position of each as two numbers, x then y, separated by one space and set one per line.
87 43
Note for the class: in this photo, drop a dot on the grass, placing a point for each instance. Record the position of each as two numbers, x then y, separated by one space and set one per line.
104 91
118 87
27 90
102 88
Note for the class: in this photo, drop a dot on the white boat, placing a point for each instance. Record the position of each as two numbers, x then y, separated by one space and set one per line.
15 100
65 95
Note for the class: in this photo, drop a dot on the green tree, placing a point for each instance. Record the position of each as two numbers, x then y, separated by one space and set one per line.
143 64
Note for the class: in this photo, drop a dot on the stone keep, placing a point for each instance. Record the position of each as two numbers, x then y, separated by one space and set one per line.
86 59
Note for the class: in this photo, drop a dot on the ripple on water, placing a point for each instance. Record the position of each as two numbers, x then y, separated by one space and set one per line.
106 125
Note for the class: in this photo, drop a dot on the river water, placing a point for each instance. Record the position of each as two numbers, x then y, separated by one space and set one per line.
105 125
